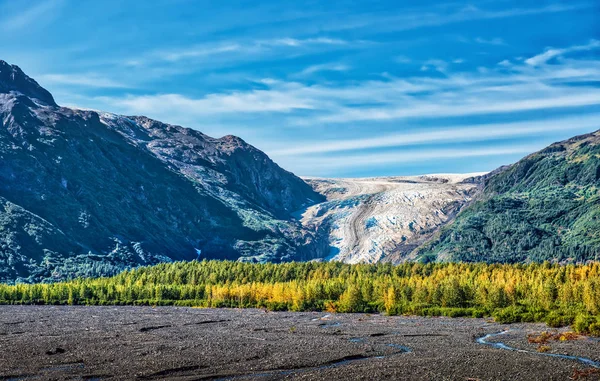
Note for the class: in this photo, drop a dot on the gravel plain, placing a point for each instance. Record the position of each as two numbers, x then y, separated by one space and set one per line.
171 343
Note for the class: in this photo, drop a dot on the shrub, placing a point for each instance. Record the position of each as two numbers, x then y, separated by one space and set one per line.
512 314
556 319
587 324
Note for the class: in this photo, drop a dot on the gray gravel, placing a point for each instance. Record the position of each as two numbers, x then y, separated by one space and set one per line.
168 343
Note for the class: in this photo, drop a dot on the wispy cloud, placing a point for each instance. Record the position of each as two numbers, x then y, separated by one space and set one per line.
493 90
551 53
439 65
402 59
301 42
29 15
241 47
325 67
456 134
213 104
320 164
467 107
84 80
200 51
428 18
491 41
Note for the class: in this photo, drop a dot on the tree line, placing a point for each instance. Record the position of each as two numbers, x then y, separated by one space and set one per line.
537 292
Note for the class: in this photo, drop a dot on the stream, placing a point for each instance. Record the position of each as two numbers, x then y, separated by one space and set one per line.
500 345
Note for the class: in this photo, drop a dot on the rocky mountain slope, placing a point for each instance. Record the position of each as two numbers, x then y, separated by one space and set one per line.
385 219
544 207
88 193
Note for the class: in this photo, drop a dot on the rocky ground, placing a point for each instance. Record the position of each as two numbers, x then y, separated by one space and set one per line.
372 219
122 343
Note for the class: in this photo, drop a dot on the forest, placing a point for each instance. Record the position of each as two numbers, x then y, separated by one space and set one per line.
558 295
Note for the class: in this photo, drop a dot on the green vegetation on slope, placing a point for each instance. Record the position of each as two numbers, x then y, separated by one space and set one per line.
545 207
556 294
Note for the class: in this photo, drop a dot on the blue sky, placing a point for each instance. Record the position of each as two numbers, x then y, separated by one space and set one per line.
338 88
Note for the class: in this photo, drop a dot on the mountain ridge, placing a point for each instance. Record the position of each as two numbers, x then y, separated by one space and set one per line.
13 79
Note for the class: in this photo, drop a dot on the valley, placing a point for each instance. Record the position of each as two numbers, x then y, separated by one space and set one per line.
85 193
384 219
306 190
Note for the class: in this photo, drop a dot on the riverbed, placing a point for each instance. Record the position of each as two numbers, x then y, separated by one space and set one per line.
170 343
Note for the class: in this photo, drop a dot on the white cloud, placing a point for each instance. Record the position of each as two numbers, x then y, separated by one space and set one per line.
426 17
254 47
200 51
319 164
329 106
438 65
544 57
402 59
302 42
550 53
86 80
427 109
491 41
28 16
490 91
455 134
212 104
325 67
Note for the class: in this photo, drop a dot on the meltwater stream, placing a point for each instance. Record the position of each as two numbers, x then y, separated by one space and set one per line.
484 340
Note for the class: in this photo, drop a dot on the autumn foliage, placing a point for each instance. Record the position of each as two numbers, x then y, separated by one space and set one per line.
556 294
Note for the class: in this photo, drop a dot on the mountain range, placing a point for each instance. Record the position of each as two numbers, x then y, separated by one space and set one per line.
87 193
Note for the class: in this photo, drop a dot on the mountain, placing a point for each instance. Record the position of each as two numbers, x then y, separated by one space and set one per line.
90 193
86 193
544 207
384 219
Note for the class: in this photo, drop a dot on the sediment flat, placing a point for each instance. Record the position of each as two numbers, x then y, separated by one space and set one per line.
172 343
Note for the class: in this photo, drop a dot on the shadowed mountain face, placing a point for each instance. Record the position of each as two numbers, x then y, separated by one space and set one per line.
87 193
544 207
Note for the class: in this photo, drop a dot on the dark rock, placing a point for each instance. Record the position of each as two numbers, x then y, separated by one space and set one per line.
57 351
